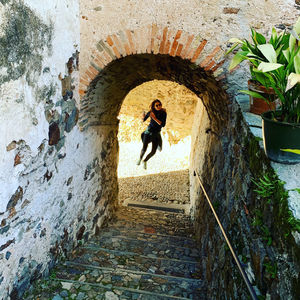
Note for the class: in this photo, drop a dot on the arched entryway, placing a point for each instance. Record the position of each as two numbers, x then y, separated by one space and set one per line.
106 92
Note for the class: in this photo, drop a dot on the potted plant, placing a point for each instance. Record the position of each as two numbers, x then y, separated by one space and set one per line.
276 64
249 50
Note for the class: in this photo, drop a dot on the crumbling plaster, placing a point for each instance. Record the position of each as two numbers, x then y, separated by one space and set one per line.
22 114
43 188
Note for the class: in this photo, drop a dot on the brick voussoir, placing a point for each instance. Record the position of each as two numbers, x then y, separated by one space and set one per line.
84 82
107 49
210 56
190 54
136 40
118 45
179 49
90 75
218 65
93 70
167 47
198 50
109 40
154 30
162 43
149 34
81 92
127 49
108 58
116 52
85 77
175 43
210 65
131 44
187 46
99 63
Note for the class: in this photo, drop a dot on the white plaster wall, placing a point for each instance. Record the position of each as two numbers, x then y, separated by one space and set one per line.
17 118
204 19
22 117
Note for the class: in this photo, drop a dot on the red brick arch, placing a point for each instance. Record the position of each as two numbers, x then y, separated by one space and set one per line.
156 40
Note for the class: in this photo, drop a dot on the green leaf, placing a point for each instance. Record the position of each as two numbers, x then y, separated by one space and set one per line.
257 37
293 79
286 54
268 51
260 38
267 67
297 63
232 48
254 94
278 50
237 59
296 151
274 34
296 29
235 41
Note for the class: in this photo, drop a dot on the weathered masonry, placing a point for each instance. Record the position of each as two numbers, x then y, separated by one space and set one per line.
65 69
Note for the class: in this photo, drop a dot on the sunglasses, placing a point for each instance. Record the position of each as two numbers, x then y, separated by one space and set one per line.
158 105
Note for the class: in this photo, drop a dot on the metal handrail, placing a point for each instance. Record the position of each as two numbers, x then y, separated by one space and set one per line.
243 273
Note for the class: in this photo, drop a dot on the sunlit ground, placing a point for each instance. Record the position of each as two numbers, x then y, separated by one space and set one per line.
171 158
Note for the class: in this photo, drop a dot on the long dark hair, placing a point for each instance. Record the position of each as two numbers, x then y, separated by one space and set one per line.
152 105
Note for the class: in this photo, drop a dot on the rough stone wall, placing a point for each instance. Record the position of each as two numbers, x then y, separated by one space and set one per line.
51 191
258 228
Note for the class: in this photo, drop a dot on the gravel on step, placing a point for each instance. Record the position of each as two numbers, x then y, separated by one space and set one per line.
170 188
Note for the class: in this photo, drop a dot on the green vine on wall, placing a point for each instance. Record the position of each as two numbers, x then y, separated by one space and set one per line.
271 189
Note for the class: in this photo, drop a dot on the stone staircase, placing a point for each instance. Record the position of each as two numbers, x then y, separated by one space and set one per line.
140 254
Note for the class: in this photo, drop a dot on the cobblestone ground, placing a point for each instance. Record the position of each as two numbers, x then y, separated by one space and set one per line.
170 188
140 254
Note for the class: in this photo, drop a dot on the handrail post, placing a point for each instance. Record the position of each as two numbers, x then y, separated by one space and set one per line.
243 273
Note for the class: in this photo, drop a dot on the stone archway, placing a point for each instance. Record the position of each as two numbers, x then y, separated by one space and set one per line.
106 91
104 96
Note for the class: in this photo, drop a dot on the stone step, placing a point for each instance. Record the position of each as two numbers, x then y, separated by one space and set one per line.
134 280
181 241
162 240
147 248
87 290
160 222
176 232
140 254
123 259
135 213
175 208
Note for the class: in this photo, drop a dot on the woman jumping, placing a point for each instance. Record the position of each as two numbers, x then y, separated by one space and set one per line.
152 135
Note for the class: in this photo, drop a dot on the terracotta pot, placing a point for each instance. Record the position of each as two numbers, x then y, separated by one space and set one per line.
257 105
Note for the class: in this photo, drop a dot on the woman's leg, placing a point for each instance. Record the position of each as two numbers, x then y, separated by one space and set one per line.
146 141
154 147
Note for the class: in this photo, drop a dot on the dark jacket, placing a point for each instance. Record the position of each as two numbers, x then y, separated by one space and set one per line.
154 127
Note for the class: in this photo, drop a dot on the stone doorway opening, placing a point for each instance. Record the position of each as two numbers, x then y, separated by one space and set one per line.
106 93
165 182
